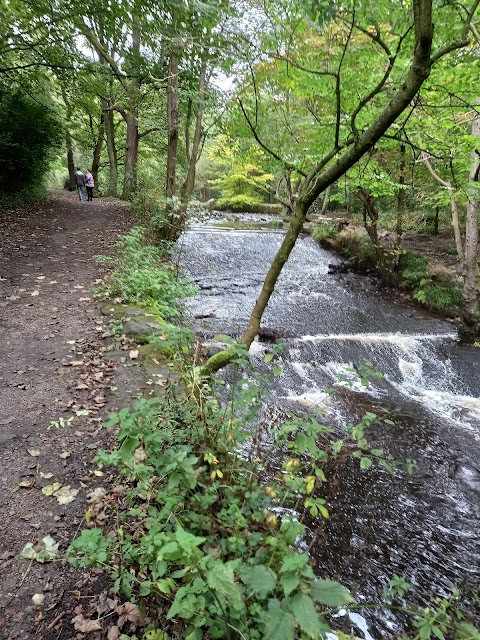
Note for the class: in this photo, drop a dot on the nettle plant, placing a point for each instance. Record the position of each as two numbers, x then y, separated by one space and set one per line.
200 540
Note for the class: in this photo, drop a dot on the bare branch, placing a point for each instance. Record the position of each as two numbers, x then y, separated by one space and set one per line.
287 165
338 94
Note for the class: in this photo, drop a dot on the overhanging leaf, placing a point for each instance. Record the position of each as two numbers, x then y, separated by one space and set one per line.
260 579
330 593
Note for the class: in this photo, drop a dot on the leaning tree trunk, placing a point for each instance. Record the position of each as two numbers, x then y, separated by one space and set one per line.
470 294
322 176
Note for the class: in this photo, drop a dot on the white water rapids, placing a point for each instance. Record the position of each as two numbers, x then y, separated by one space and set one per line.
424 527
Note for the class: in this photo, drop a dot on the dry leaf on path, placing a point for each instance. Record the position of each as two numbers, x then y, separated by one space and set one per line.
66 495
128 612
35 293
133 354
64 455
86 626
34 452
96 495
113 633
50 489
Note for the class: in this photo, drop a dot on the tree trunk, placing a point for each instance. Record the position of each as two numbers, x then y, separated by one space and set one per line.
370 215
456 228
70 162
471 231
112 154
98 150
189 184
173 228
401 195
172 124
131 157
326 195
453 206
322 176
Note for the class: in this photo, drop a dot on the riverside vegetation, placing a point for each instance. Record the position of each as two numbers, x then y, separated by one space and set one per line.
205 537
440 292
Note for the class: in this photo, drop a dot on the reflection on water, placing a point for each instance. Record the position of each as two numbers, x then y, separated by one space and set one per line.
423 527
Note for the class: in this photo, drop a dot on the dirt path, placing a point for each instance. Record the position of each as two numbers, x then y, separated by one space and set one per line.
51 367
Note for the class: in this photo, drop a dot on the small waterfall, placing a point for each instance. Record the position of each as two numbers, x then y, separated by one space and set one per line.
417 367
423 527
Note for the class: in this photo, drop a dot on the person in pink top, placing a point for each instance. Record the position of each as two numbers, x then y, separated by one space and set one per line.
89 183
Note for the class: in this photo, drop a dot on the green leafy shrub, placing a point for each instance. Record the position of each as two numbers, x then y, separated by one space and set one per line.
144 275
415 276
323 232
414 268
200 538
438 295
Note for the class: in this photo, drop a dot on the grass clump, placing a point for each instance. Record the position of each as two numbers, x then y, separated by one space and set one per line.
144 275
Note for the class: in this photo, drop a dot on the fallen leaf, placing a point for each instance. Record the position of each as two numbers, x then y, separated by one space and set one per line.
53 282
47 475
35 293
50 489
86 626
64 455
128 612
71 341
41 277
160 383
133 354
66 495
34 452
25 484
96 495
113 633
45 551
76 363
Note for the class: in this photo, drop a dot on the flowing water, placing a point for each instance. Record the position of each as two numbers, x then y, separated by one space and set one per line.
424 527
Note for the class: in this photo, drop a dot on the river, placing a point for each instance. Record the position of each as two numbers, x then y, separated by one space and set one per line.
424 527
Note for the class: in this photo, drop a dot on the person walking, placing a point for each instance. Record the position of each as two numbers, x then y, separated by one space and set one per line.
80 182
89 183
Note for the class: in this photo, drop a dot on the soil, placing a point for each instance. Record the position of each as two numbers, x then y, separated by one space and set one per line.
54 364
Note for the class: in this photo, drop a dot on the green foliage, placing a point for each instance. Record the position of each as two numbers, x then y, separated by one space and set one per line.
181 540
323 232
415 276
144 274
29 134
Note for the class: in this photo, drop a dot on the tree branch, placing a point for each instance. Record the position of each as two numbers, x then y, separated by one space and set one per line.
338 94
287 165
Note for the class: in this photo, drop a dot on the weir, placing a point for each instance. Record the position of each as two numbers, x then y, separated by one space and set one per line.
423 527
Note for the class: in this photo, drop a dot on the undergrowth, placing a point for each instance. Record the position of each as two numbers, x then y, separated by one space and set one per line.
207 539
144 275
415 276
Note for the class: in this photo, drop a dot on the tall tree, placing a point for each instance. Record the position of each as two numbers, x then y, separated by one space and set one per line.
355 131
